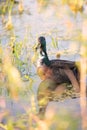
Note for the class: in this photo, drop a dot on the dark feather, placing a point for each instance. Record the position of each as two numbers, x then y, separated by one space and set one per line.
58 67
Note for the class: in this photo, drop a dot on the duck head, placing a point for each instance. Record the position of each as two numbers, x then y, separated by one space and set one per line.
42 47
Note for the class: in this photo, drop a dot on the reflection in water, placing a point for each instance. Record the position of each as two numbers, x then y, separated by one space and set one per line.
48 91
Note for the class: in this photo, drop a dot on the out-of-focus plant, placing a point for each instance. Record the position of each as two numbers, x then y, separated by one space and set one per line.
75 5
17 49
21 7
9 24
83 70
3 8
14 82
2 75
35 56
43 3
27 77
5 5
61 121
54 42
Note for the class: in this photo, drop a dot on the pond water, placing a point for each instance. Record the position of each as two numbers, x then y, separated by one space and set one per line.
51 22
60 23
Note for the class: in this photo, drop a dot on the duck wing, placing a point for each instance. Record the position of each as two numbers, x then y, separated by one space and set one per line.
59 66
62 64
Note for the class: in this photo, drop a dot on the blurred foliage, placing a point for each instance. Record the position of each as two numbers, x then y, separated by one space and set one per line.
43 3
9 24
13 79
20 7
64 121
8 5
75 5
55 42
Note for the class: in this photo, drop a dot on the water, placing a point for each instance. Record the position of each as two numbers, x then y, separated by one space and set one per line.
50 23
57 22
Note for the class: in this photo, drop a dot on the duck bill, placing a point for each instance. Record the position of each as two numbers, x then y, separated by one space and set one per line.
37 46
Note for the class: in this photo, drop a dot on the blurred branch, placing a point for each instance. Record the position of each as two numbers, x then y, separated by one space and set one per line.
3 126
83 65
83 103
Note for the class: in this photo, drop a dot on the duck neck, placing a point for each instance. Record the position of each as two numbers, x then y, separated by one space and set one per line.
44 58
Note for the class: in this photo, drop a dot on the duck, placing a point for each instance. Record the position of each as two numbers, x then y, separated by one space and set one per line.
58 70
55 75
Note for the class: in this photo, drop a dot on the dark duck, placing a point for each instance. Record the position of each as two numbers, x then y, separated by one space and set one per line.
55 75
60 71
